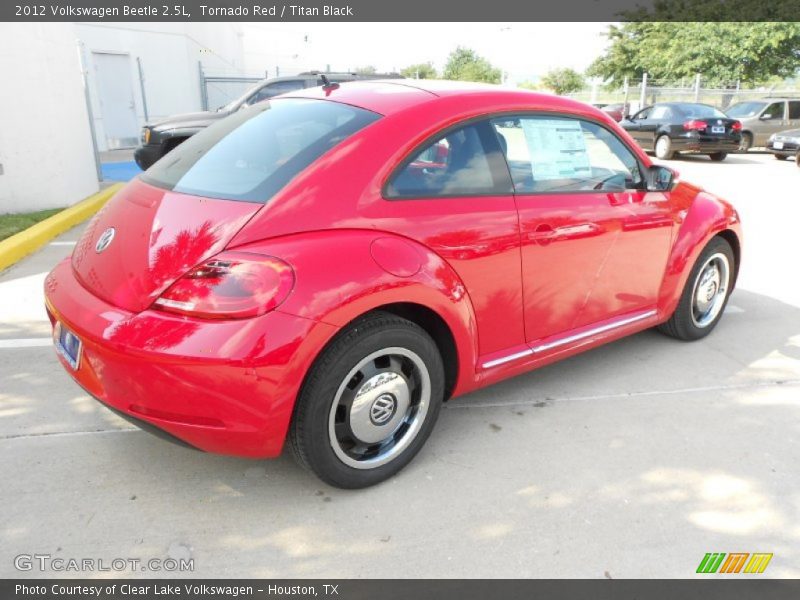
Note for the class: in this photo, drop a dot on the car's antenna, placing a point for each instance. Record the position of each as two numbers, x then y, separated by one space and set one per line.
327 85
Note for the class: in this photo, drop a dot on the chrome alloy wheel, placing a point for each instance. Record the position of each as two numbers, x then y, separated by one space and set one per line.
710 290
379 408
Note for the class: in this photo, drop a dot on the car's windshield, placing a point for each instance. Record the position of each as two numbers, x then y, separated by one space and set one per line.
253 153
234 104
700 111
745 109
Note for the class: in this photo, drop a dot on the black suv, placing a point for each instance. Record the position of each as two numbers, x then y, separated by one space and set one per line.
159 138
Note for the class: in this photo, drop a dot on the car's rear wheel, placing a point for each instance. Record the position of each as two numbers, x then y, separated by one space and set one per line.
746 142
705 295
369 402
663 148
780 156
718 156
797 159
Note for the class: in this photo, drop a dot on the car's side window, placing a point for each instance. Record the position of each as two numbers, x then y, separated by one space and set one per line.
462 162
794 109
558 154
643 114
660 112
773 111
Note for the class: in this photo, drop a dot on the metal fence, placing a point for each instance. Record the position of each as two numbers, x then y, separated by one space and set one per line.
647 91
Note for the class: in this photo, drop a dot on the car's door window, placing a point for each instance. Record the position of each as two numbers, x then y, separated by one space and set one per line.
660 113
773 112
642 114
462 162
794 109
274 89
558 154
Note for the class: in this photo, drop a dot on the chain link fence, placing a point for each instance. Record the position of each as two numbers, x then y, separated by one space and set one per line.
645 92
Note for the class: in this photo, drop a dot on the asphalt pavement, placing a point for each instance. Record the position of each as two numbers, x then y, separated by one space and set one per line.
631 460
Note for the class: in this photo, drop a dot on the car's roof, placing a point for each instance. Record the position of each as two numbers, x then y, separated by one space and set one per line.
392 95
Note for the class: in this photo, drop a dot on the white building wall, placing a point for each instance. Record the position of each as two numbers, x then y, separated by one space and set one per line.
45 143
169 55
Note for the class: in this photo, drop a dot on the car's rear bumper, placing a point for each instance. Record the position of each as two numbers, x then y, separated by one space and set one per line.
705 145
227 387
147 154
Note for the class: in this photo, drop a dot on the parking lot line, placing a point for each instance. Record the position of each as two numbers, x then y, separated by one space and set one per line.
26 343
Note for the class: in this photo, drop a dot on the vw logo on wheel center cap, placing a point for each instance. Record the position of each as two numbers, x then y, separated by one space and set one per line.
105 239
382 410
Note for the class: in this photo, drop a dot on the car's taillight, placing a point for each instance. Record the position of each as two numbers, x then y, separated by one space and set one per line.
737 126
695 125
232 285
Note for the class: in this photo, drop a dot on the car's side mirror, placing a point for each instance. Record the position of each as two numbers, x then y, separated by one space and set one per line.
659 179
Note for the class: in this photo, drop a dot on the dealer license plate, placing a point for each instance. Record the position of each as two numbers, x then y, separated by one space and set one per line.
68 345
718 129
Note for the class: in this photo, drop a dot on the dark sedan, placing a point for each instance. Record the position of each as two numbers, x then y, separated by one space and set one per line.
785 144
671 127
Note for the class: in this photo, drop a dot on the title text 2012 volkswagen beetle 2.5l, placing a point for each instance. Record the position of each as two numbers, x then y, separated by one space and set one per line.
326 268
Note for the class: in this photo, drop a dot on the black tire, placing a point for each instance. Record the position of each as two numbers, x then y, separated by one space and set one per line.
780 156
682 325
310 431
797 159
718 156
663 147
746 142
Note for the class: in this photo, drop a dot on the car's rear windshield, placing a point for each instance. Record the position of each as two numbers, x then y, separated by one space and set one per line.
253 153
700 111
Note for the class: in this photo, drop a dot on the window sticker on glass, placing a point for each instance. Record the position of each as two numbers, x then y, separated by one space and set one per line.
558 148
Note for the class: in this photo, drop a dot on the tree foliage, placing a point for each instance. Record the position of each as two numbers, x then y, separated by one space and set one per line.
563 81
420 71
719 51
465 64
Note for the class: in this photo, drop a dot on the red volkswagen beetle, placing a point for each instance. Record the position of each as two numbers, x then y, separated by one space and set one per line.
326 268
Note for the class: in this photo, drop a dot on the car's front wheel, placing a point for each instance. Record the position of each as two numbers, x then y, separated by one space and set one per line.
780 156
705 295
718 156
663 148
369 402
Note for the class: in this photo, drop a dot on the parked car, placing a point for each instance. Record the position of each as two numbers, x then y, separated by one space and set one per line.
325 269
160 137
761 118
671 127
616 111
785 144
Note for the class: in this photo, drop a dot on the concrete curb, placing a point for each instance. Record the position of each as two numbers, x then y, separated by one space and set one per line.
21 244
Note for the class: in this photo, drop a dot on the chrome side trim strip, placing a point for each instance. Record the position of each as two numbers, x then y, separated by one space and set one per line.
593 332
505 359
569 339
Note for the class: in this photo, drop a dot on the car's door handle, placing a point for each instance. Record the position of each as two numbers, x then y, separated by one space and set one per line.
544 233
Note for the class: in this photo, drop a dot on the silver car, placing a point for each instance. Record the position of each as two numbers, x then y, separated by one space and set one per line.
761 118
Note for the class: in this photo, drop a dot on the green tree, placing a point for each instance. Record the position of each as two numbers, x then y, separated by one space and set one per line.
465 64
420 71
720 52
563 81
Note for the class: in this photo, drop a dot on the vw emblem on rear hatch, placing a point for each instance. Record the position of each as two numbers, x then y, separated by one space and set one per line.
104 241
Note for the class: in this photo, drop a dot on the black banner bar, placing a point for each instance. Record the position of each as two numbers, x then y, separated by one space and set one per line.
397 11
714 587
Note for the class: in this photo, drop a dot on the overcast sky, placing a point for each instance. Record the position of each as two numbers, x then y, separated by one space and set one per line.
524 50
